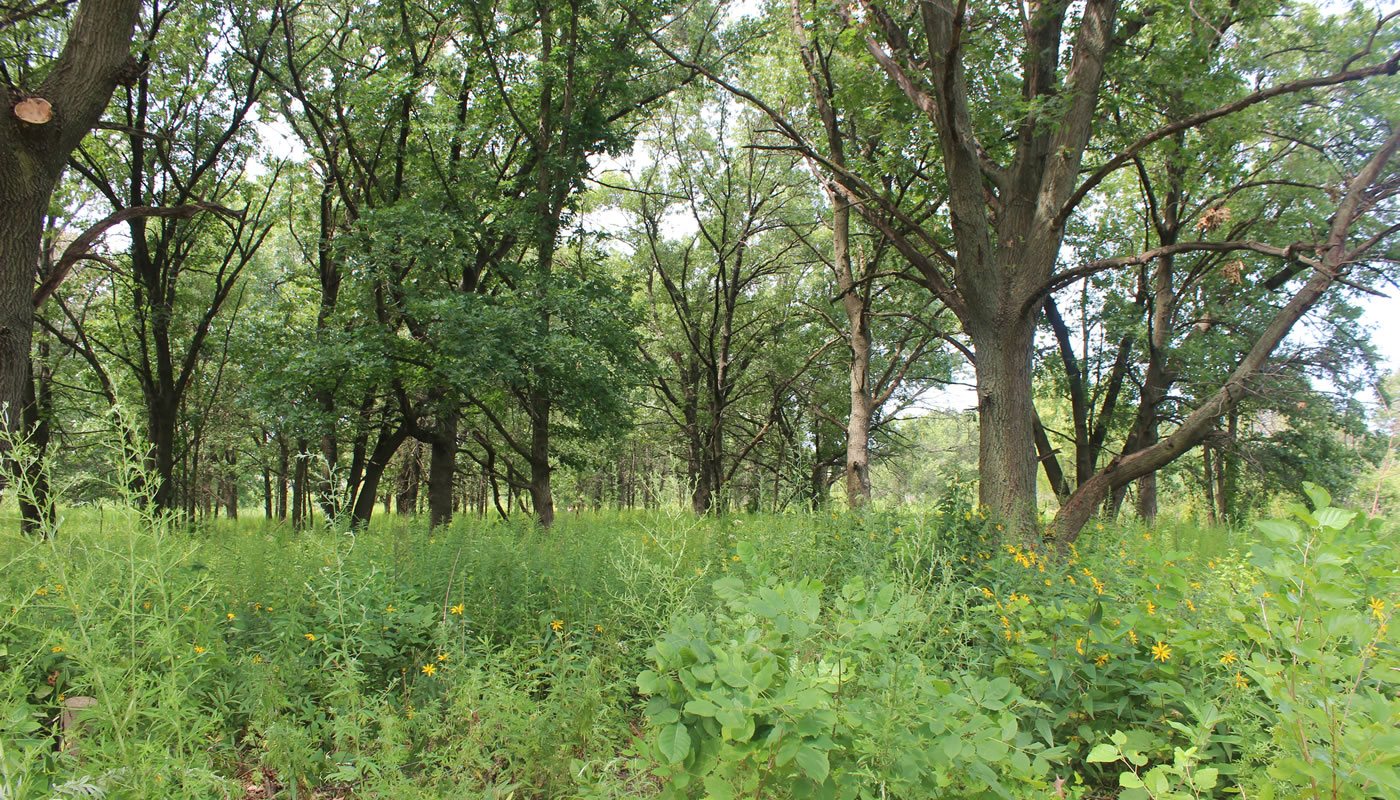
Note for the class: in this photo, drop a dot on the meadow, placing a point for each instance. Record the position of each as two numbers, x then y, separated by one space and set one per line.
911 654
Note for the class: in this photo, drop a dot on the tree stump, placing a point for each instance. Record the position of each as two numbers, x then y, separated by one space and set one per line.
69 724
34 110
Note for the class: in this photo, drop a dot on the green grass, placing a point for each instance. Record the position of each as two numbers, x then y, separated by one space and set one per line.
494 659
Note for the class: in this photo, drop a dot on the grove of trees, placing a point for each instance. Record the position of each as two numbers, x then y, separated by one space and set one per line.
507 256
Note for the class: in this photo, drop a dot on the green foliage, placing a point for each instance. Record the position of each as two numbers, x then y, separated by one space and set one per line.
779 696
1320 652
488 659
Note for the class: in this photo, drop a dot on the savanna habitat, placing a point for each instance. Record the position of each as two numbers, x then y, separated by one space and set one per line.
583 399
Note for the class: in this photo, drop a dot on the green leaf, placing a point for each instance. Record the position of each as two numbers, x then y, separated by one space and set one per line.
674 742
1334 518
718 788
1278 530
1104 752
813 763
701 707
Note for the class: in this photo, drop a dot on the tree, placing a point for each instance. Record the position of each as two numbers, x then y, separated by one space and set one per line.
833 78
723 301
52 105
1012 99
183 142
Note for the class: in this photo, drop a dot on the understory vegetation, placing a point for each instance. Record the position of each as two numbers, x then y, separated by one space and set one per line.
870 655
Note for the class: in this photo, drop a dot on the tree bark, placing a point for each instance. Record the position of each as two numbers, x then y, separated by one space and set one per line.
1006 423
541 497
442 470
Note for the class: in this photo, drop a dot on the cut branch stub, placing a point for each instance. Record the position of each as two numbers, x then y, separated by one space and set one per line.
34 110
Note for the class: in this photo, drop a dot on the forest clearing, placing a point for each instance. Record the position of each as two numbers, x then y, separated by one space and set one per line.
546 399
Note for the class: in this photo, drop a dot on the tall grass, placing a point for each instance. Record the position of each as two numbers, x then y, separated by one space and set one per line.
496 659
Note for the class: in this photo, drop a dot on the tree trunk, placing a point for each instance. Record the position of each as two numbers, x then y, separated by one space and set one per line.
231 486
1006 417
21 229
541 498
384 448
161 461
281 478
267 492
299 486
862 403
1147 498
409 480
442 470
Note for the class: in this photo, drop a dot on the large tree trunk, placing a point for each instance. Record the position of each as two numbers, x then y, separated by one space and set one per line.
161 429
442 470
21 228
1006 423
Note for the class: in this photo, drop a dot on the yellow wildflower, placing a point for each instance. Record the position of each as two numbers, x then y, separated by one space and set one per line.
557 625
310 637
198 649
1377 607
441 656
1079 645
457 609
1151 608
1132 636
1241 681
56 650
429 669
1161 652
598 628
1101 659
1228 657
